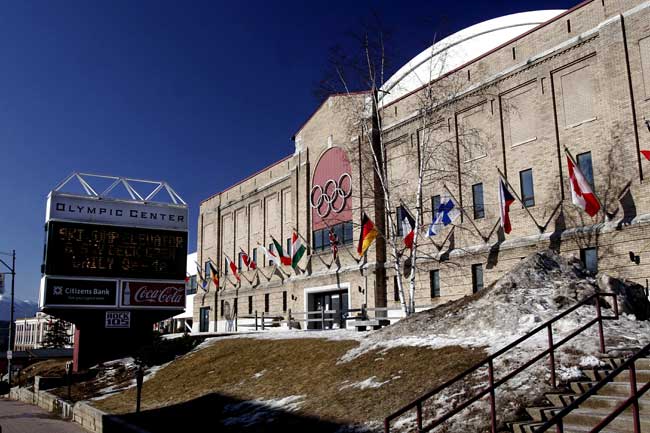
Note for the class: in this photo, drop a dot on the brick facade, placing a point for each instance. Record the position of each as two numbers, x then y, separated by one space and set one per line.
580 81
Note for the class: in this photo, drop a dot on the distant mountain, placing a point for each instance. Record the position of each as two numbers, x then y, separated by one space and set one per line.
21 308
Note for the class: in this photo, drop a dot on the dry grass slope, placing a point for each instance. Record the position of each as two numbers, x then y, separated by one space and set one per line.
248 369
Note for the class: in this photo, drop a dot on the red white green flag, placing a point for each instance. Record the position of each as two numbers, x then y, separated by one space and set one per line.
297 250
284 259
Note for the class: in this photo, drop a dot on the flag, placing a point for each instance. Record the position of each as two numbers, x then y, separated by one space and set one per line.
581 193
646 153
187 279
297 250
445 214
250 263
408 226
505 200
334 243
204 283
214 274
233 267
271 256
284 259
368 234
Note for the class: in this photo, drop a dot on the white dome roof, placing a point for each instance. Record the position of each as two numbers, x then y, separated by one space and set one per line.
460 48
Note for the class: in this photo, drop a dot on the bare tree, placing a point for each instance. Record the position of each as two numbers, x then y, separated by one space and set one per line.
432 158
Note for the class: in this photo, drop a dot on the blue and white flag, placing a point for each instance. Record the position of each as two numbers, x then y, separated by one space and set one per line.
444 215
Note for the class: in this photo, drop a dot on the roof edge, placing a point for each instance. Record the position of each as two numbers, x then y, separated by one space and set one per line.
331 95
487 53
247 178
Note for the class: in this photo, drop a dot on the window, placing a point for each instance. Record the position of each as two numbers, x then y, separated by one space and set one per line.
435 204
434 278
266 303
584 163
527 191
318 240
225 267
400 211
271 250
254 255
204 319
338 232
250 305
287 252
395 289
589 257
477 194
192 286
206 269
222 307
284 301
343 231
239 261
234 306
347 233
477 278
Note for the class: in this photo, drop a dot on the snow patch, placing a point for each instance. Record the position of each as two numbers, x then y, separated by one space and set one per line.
252 412
369 383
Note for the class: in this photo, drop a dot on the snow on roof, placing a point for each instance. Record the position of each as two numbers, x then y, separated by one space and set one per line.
459 49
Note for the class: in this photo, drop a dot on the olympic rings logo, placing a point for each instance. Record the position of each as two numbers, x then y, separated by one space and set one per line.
332 196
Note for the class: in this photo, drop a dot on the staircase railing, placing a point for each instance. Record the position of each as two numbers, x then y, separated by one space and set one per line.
632 400
492 384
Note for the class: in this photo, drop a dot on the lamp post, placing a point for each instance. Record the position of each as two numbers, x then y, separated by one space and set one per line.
12 271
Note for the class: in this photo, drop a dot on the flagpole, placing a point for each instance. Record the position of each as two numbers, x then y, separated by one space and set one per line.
512 190
417 226
464 212
575 164
217 268
444 240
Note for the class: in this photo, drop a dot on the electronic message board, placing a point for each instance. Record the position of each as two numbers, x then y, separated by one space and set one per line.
93 250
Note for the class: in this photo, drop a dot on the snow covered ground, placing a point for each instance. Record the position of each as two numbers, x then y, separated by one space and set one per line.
536 290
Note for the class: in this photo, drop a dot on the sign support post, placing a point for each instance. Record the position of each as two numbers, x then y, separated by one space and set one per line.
10 346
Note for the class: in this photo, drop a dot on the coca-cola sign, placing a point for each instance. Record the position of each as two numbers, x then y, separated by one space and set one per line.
153 294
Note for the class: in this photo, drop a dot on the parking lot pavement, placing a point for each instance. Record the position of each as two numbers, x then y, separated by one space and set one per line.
19 417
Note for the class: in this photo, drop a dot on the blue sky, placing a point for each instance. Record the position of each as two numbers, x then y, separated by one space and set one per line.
198 93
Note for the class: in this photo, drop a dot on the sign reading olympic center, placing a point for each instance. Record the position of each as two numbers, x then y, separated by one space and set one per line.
94 244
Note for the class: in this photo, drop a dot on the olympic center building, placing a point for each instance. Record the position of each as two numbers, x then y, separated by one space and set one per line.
579 79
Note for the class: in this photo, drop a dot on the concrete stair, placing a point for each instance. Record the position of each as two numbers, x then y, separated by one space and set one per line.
596 407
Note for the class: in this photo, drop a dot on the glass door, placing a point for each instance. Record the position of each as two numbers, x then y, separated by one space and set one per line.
204 319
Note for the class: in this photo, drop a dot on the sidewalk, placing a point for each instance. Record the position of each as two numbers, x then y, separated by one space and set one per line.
18 417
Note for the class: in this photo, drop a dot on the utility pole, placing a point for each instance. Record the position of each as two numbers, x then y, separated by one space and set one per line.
10 346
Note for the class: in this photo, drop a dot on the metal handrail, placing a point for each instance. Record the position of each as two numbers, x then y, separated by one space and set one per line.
557 419
417 404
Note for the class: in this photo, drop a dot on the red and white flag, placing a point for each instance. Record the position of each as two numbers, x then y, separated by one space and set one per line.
646 154
408 226
334 243
505 200
581 193
233 268
250 263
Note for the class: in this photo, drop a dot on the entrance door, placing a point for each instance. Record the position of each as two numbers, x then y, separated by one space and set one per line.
336 301
204 319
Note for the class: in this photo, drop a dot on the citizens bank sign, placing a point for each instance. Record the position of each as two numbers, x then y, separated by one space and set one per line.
95 210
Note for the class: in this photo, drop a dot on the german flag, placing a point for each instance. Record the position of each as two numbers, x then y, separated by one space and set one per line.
368 234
